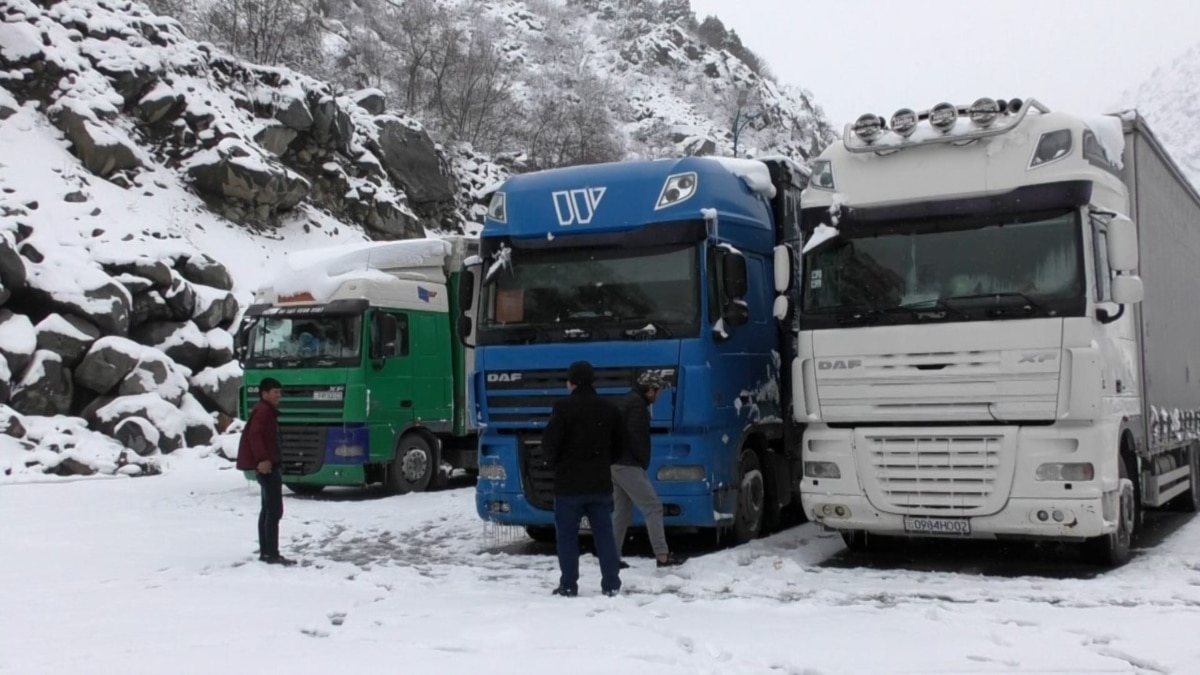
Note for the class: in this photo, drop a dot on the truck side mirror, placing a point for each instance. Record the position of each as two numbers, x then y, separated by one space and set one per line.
1127 289
387 332
734 271
1122 244
466 289
241 345
735 314
783 268
464 327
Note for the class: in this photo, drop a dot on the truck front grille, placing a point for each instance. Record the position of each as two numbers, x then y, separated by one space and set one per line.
944 475
537 476
303 449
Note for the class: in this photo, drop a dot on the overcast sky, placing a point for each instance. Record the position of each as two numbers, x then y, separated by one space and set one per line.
859 56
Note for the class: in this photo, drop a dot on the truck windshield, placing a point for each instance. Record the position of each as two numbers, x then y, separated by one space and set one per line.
304 342
947 270
559 295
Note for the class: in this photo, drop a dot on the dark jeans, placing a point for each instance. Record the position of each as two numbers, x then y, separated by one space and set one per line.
271 485
568 510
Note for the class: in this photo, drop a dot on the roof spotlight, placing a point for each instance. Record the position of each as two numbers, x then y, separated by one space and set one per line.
904 122
943 116
1003 105
868 128
1014 106
984 111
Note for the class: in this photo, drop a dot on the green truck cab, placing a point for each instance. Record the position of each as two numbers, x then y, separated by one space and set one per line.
374 381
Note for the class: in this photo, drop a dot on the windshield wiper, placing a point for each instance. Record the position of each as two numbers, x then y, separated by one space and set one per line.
1023 302
649 329
523 335
856 313
927 309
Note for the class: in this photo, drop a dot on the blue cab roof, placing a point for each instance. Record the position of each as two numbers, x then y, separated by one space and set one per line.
620 196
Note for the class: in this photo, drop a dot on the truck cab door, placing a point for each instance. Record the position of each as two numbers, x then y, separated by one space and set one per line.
390 399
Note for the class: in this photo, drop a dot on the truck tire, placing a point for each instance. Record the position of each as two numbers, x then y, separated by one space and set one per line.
751 498
414 465
543 534
304 488
1113 550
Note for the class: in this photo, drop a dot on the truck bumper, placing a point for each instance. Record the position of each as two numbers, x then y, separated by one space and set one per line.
1033 518
330 474
512 508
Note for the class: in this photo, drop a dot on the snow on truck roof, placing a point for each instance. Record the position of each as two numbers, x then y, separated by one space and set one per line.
321 272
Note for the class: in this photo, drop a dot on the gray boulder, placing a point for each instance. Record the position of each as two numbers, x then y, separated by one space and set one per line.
133 283
411 160
182 341
162 102
371 100
203 270
165 430
220 347
45 388
218 389
68 336
12 265
276 138
148 306
18 340
102 152
294 114
200 427
180 297
107 363
155 374
69 466
137 434
332 127
251 180
212 308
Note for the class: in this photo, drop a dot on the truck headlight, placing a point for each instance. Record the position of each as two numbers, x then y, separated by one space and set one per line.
492 472
1066 471
822 470
681 473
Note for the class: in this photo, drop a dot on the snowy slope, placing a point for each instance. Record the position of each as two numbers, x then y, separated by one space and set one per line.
1170 102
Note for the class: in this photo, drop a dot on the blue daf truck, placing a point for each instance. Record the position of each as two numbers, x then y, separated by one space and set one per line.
682 266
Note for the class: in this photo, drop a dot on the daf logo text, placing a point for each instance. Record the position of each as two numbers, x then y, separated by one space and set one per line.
839 364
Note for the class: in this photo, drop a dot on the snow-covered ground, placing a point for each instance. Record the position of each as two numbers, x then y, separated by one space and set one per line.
158 576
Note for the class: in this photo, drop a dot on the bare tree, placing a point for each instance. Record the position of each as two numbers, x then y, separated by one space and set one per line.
269 32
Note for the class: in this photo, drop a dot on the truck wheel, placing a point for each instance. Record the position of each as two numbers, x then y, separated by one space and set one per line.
748 519
541 533
304 488
1113 550
413 467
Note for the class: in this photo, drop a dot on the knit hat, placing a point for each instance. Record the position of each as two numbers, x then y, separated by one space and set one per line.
581 374
652 379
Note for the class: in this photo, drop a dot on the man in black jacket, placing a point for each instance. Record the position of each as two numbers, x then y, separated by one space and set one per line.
631 484
583 437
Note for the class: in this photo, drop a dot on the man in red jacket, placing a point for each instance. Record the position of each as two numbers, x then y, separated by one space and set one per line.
259 451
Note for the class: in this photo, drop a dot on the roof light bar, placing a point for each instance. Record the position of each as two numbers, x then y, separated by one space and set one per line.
988 117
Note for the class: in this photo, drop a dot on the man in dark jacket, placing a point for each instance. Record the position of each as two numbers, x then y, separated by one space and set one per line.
583 437
631 485
259 451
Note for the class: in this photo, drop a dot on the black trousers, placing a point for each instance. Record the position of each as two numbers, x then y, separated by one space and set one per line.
271 486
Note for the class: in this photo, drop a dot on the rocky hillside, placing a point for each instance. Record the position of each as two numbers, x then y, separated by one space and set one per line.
149 182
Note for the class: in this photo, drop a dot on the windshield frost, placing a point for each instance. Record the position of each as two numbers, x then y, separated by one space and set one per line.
598 292
911 265
313 340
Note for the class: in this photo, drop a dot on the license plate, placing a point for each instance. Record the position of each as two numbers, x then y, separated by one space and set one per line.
958 526
327 395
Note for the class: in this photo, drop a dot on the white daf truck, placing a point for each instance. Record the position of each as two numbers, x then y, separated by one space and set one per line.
999 328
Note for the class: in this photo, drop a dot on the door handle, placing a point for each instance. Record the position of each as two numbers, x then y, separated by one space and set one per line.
406 403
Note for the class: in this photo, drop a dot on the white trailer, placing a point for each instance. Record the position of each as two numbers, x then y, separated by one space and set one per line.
999 321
